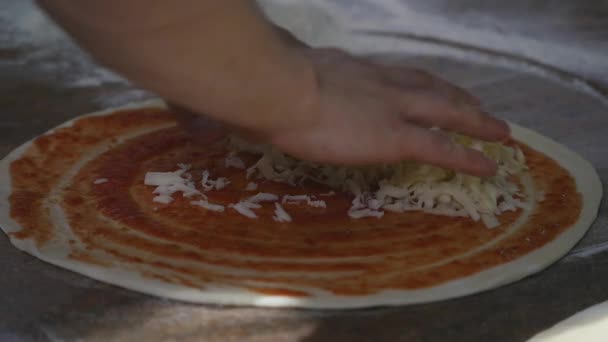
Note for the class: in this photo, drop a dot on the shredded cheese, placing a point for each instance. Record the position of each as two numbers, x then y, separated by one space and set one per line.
316 203
100 181
309 200
404 186
232 160
243 209
280 215
251 186
262 197
360 213
209 206
210 184
164 199
168 183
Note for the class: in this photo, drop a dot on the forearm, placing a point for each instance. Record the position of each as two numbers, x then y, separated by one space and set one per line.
220 57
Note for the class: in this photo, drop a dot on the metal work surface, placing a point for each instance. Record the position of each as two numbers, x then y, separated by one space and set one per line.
44 81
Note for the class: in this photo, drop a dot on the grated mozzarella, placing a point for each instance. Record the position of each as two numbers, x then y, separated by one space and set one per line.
163 178
295 199
316 203
221 183
401 187
165 199
210 184
168 183
251 186
233 161
360 213
100 181
243 209
404 186
209 206
262 197
280 215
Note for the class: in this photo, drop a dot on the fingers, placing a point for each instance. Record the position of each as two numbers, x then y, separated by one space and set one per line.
414 78
429 109
457 94
202 129
416 143
430 101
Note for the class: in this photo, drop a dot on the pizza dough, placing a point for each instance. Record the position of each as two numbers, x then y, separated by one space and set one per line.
589 325
129 242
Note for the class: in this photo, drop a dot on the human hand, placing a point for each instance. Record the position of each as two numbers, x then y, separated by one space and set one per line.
361 112
367 113
317 104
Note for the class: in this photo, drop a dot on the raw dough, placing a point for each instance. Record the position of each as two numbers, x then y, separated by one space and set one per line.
588 184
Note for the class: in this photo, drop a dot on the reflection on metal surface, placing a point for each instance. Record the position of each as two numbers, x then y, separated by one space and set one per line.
517 62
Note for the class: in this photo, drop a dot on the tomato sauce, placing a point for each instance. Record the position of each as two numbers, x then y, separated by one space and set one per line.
184 244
